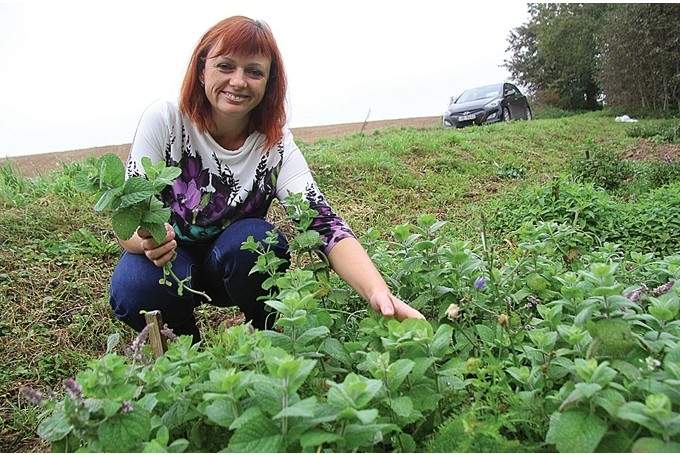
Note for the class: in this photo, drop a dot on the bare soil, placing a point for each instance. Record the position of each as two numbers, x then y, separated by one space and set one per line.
646 150
32 165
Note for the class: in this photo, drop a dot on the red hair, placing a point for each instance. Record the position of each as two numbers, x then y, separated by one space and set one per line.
244 36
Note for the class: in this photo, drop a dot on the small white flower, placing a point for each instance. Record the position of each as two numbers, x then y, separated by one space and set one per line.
453 312
652 363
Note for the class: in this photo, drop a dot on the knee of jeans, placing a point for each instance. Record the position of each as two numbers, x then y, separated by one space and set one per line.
132 290
125 293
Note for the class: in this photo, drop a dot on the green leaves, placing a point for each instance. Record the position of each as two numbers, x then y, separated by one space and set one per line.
297 389
221 412
158 174
259 434
111 171
303 408
441 340
133 202
125 222
317 438
55 427
135 190
124 432
575 431
355 391
397 372
108 199
652 445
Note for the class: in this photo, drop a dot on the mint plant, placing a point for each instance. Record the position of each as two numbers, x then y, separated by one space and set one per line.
134 204
537 346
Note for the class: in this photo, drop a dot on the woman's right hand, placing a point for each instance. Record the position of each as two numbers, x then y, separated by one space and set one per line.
159 254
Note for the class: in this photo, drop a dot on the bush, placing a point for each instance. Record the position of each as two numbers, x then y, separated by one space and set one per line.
649 224
602 168
662 132
528 348
660 174
461 434
544 111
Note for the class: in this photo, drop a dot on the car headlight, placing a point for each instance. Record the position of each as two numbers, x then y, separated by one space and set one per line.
494 103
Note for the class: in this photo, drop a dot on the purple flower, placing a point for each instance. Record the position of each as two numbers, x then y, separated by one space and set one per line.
32 395
480 283
127 407
168 333
532 301
636 294
73 389
664 288
137 343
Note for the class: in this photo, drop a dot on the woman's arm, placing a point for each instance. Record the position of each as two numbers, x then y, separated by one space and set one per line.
351 262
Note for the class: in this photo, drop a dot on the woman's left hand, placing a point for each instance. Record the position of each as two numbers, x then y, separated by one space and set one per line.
388 305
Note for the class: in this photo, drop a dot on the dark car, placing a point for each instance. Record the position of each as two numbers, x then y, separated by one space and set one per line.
487 104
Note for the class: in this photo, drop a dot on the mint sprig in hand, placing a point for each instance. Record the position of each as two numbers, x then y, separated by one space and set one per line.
134 204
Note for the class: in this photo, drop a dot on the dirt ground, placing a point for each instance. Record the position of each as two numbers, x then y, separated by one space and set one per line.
32 165
646 150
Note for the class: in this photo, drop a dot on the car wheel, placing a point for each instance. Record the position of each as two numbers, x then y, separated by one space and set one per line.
506 114
529 114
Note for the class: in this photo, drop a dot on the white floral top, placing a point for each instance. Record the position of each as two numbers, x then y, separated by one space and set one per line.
218 186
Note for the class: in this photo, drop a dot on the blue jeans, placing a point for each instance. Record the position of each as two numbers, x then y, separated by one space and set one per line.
221 269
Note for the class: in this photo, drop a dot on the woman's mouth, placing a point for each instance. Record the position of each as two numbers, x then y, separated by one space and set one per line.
234 97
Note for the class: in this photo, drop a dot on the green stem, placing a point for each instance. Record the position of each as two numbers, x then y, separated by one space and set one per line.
475 345
293 337
436 383
512 344
180 282
389 402
483 308
284 406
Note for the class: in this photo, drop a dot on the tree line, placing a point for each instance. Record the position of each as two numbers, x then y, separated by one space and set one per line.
579 56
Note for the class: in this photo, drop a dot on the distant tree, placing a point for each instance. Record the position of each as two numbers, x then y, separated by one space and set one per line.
557 51
641 58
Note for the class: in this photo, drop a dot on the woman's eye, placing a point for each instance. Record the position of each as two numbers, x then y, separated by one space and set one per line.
224 66
256 73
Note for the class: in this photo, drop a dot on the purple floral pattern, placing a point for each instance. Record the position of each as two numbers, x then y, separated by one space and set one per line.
203 203
329 225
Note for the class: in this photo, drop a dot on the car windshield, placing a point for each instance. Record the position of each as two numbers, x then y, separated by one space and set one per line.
488 91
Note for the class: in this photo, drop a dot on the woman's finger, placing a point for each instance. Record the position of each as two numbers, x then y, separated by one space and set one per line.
386 307
157 253
404 311
164 259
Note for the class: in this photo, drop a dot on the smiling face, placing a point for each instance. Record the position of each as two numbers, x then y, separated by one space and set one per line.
235 84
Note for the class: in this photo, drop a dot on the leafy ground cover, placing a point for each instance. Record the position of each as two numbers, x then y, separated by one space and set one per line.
538 328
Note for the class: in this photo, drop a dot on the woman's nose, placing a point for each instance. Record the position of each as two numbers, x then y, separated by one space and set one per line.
238 79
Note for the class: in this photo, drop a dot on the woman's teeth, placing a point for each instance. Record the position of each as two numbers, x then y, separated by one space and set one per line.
234 97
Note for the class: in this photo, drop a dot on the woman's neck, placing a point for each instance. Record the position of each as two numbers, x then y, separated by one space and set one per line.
230 134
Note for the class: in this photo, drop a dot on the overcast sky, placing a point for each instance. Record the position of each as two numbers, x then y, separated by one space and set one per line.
76 74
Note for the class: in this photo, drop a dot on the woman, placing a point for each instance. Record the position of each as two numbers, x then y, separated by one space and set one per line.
229 138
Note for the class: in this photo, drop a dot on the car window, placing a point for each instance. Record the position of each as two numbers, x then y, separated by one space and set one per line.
487 91
516 89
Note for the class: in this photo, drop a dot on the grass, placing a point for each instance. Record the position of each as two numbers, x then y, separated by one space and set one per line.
387 178
57 255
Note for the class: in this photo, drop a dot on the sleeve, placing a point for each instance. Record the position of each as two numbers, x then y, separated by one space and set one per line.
151 138
296 177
